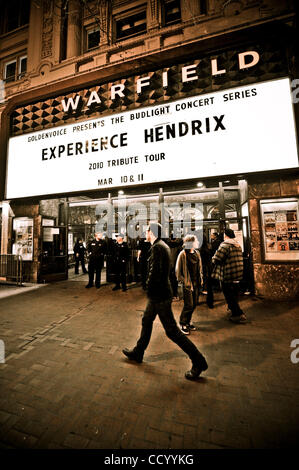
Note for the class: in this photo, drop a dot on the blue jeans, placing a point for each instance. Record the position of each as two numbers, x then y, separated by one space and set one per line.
163 310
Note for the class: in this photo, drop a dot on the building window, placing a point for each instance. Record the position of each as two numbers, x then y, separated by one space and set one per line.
172 12
203 7
15 15
22 66
15 69
130 25
93 38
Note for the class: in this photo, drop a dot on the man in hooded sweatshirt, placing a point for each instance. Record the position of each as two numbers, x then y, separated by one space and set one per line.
230 258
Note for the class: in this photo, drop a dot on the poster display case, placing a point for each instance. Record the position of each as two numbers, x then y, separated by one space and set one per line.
23 238
280 228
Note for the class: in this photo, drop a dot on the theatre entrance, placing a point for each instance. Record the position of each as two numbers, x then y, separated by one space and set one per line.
205 210
54 258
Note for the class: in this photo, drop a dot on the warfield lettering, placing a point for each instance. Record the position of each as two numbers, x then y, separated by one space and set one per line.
189 73
180 129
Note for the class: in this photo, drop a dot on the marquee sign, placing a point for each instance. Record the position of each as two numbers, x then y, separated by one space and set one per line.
241 130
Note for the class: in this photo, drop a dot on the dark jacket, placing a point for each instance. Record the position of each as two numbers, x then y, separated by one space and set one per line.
96 249
158 283
121 252
79 249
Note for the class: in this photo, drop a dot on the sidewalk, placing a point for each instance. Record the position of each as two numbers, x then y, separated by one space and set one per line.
66 384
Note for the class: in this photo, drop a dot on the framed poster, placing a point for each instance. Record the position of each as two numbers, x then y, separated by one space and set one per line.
280 228
23 238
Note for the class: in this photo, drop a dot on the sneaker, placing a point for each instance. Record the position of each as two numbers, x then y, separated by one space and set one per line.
185 329
192 327
197 369
131 354
239 319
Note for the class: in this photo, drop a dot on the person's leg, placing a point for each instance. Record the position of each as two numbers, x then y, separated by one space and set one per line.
230 291
76 266
117 276
174 334
195 295
123 276
90 273
226 289
187 308
148 318
83 266
98 273
236 290
210 295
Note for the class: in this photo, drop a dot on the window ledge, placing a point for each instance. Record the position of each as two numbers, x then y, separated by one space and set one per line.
14 31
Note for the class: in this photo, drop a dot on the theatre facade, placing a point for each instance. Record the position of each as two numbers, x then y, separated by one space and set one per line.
202 136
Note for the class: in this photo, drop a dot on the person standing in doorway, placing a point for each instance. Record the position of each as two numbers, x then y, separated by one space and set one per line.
121 258
228 261
96 249
79 252
206 258
189 271
142 257
159 294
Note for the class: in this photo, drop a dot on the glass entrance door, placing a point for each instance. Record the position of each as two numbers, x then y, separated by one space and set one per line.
54 254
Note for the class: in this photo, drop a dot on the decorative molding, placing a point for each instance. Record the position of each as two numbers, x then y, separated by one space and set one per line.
47 34
153 22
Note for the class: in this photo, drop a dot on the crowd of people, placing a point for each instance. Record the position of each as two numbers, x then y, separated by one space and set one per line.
170 270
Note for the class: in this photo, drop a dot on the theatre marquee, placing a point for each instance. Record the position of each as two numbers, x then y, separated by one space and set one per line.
236 131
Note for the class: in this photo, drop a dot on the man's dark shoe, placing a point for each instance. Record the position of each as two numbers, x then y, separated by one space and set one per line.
197 369
131 354
116 288
124 289
98 286
88 286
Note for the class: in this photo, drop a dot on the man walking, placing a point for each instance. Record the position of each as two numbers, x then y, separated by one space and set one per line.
159 303
229 261
96 250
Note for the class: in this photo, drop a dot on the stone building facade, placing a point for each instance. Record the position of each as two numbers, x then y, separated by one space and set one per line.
55 52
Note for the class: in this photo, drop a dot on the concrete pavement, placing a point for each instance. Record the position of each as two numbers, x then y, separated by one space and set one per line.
66 384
